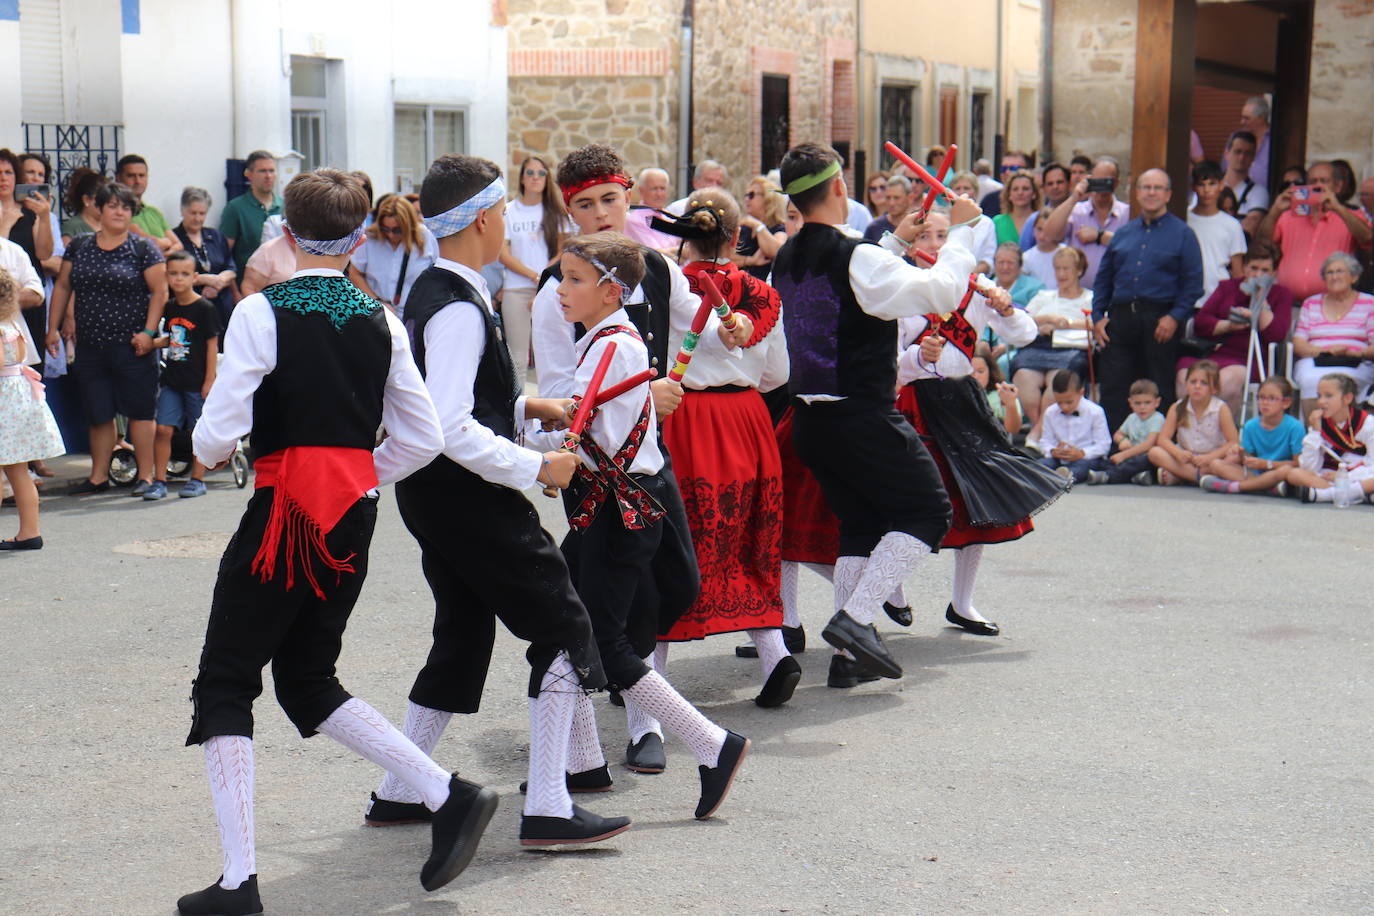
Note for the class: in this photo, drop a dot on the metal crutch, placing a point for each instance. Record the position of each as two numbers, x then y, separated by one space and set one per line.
1254 352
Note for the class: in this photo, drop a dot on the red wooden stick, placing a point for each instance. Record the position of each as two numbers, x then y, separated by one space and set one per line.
573 436
619 388
727 317
689 342
921 171
945 165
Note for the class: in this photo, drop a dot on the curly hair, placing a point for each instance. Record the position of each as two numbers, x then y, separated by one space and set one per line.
9 295
590 161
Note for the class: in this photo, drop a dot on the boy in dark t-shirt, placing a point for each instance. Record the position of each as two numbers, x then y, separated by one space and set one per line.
190 335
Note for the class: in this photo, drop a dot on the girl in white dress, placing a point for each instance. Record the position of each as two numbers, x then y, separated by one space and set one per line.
27 429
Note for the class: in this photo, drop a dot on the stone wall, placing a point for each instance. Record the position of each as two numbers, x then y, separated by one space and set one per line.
584 71
1340 120
1093 72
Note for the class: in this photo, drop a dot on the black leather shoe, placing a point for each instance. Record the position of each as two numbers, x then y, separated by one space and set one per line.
216 901
597 780
383 813
33 543
794 638
456 830
89 486
900 615
977 627
646 755
616 698
582 827
863 642
845 672
716 780
780 685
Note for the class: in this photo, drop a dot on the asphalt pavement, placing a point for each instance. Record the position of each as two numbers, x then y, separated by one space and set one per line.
1176 720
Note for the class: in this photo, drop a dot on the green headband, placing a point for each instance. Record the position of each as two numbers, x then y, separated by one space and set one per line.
807 182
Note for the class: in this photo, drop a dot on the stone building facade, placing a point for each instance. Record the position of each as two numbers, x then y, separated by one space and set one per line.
610 70
1094 67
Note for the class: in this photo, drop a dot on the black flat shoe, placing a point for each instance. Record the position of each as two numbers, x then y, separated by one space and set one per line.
646 755
216 901
582 827
977 627
900 615
716 780
383 813
33 543
597 780
794 638
863 642
456 830
781 684
89 486
615 697
845 672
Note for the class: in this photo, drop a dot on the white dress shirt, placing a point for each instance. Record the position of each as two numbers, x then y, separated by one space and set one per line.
615 419
555 358
1016 329
414 436
455 339
1086 428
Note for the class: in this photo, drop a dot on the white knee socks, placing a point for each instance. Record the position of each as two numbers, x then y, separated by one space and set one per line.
898 596
771 648
791 614
637 720
887 566
423 727
366 732
229 763
966 561
551 718
848 571
584 742
656 696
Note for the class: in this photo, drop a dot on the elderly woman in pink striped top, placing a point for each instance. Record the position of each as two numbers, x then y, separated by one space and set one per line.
1335 331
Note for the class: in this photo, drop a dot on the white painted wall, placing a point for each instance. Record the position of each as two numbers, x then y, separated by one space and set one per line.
210 80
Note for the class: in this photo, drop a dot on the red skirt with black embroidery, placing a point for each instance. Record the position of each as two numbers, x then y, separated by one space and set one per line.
810 531
727 467
962 532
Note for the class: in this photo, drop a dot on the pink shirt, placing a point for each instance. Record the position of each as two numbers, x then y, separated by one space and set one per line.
276 260
1305 245
1355 330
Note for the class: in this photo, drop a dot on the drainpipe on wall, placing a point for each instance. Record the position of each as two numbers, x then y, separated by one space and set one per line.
859 155
1046 83
684 101
999 139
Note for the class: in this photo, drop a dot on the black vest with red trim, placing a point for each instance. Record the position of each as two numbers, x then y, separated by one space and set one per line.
494 390
333 358
835 347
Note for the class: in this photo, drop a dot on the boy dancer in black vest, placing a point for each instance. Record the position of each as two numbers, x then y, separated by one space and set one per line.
841 298
312 368
615 513
596 191
482 548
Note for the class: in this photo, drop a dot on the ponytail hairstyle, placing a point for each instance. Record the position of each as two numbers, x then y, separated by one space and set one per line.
1213 373
714 213
1345 383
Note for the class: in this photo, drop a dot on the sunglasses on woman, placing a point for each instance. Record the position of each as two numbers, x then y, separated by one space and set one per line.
536 173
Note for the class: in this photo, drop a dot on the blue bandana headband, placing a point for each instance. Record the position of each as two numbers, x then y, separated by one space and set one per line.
610 273
451 222
327 247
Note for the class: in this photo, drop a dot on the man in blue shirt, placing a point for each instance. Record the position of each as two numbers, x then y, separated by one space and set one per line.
1146 286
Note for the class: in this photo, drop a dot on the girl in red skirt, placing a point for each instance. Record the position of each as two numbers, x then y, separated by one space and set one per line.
725 456
993 489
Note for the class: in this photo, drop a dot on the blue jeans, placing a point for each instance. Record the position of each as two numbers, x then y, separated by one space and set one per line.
1079 468
1123 472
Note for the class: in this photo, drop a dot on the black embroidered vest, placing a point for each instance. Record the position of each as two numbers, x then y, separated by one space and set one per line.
333 358
494 388
835 347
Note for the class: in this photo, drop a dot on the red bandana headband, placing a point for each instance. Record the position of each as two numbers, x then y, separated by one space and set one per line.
572 190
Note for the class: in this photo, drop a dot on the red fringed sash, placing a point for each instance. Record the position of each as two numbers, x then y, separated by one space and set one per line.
313 487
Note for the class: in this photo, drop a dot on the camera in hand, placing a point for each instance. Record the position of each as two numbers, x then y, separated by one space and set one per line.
1101 185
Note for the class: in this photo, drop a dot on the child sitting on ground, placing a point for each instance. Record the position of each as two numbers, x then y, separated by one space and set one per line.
1137 435
1074 437
190 335
1270 445
1337 444
1197 432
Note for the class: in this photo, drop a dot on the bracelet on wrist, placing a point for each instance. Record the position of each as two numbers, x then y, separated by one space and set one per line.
152 334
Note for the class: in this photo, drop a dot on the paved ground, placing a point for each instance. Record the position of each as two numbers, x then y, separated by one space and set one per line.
1177 721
